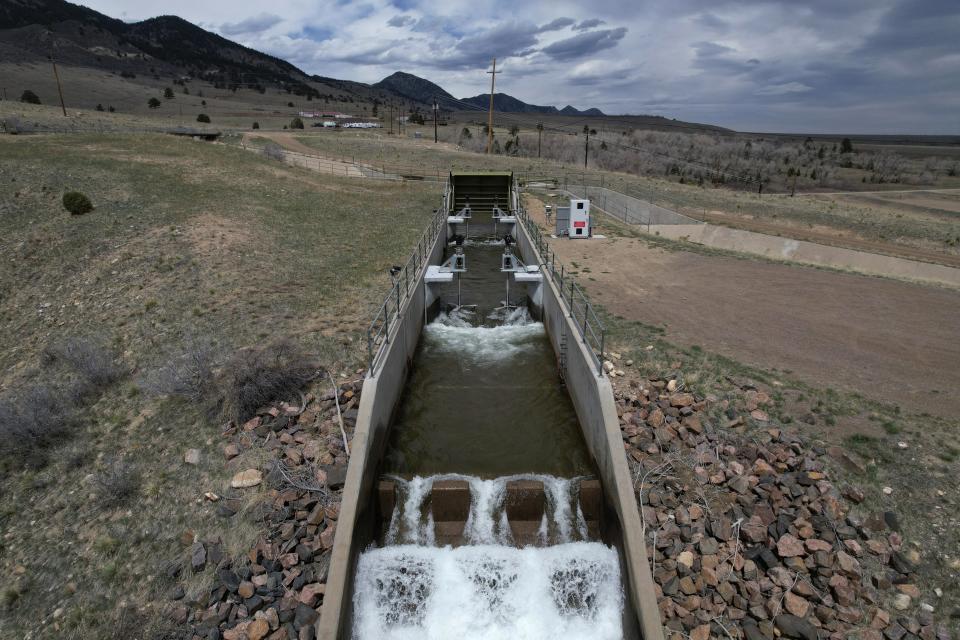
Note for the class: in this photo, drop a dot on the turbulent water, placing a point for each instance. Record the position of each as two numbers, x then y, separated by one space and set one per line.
570 591
484 404
455 333
412 521
484 398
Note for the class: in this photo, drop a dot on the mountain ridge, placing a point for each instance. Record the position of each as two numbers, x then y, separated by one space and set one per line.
170 46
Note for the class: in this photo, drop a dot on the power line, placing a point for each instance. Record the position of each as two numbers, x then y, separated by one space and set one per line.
692 163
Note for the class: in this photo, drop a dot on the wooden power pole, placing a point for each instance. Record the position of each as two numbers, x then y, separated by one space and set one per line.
434 119
493 78
539 136
586 146
59 88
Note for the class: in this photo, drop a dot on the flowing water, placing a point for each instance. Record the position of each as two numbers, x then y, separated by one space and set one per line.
487 523
484 397
490 592
484 404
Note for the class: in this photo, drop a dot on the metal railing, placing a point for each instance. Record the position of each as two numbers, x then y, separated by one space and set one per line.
404 284
583 314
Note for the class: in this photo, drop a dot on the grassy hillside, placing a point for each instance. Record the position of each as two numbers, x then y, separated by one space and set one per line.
187 241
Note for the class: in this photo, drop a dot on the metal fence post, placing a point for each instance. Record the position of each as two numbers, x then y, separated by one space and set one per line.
603 336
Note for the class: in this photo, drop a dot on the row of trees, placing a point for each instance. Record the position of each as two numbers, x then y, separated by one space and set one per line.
720 159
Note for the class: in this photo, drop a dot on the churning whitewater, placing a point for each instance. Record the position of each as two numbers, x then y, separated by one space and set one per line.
455 332
570 591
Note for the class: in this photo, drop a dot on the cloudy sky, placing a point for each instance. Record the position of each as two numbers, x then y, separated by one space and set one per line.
855 66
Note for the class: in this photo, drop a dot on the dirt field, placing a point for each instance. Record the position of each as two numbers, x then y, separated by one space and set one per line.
891 341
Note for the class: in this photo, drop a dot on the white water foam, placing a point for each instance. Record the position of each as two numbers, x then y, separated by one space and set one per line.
570 591
412 519
486 500
558 501
454 332
417 529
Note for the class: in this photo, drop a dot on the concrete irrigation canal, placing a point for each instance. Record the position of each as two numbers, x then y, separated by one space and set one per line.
488 495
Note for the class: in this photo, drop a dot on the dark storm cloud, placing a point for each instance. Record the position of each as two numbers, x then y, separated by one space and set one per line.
475 51
855 65
589 24
917 26
711 57
254 24
557 25
585 44
710 21
401 21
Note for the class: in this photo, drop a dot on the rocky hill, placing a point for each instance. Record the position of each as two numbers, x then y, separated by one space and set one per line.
166 45
507 103
415 88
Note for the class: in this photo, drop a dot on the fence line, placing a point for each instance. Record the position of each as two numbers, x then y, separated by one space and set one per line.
627 208
585 318
404 284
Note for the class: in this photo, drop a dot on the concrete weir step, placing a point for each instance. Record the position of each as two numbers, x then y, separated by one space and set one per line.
525 503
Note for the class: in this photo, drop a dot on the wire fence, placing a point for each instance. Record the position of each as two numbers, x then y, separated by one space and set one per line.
334 165
625 207
404 284
582 312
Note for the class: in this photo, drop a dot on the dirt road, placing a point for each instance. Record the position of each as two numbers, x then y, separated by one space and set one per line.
891 341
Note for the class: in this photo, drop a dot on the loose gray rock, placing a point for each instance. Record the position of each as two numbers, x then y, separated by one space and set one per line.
793 627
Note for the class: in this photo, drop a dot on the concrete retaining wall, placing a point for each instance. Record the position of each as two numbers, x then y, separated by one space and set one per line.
592 397
810 253
381 392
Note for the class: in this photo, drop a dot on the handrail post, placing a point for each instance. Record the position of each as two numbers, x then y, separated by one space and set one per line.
603 336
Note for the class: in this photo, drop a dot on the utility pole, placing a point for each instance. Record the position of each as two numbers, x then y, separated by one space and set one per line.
391 117
493 78
434 119
539 136
59 89
586 146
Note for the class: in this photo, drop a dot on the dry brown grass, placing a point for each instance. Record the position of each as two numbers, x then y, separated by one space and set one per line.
187 240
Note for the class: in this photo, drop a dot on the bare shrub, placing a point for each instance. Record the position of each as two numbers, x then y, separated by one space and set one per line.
33 420
96 364
273 151
117 483
188 376
256 377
